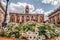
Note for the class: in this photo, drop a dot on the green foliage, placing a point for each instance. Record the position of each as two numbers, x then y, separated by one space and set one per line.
16 30
27 26
48 30
13 30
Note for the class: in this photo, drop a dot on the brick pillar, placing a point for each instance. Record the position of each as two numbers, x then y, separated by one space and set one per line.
30 18
51 20
15 17
34 17
38 18
25 18
20 18
55 19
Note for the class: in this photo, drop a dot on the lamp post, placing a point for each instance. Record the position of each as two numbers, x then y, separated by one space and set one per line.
5 16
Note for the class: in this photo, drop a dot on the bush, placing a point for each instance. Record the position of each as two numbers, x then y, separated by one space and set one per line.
48 30
30 29
15 30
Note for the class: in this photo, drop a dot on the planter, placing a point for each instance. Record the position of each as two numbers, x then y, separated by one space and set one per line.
51 39
5 38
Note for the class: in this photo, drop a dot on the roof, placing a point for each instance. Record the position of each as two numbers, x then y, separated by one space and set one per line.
56 10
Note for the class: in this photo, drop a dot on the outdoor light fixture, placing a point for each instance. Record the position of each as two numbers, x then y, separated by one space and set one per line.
5 16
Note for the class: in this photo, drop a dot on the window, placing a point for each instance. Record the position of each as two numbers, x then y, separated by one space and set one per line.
12 20
58 18
35 20
32 18
17 21
58 22
27 11
27 18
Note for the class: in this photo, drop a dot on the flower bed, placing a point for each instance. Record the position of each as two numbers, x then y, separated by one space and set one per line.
30 31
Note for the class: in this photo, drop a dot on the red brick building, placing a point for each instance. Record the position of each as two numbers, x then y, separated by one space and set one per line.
2 12
27 16
54 17
21 17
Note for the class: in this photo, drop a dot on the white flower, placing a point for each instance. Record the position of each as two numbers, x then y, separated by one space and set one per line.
56 31
39 38
47 31
13 36
48 34
42 37
5 29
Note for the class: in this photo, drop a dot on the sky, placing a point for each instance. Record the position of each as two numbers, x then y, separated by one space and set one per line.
36 6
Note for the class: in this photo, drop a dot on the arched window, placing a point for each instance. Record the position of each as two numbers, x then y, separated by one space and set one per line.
12 18
58 17
41 19
27 18
32 18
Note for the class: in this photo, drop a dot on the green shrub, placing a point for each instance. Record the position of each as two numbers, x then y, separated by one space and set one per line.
20 30
48 30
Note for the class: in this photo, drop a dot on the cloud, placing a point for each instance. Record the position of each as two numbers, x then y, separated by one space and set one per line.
39 11
18 7
53 2
46 14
